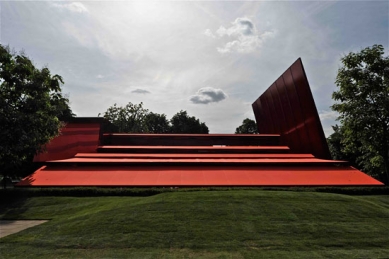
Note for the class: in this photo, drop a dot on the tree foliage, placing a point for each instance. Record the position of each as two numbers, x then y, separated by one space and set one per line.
31 107
181 122
248 127
157 123
133 118
337 147
363 105
130 118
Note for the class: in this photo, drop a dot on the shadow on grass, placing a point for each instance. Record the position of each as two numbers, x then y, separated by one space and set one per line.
12 203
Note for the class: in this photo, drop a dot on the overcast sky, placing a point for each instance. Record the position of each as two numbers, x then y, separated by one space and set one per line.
212 59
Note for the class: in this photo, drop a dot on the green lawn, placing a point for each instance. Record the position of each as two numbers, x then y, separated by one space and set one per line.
208 224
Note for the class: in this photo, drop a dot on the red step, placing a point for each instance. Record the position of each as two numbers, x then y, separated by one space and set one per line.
194 161
193 149
120 139
184 176
210 155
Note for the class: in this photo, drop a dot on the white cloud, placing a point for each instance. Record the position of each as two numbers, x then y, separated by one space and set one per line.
76 7
240 27
207 95
244 34
328 115
209 33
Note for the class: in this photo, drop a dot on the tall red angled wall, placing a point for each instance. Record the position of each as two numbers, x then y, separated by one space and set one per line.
80 135
287 108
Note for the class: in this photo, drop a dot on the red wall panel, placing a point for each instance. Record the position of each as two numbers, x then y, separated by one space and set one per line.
287 108
80 135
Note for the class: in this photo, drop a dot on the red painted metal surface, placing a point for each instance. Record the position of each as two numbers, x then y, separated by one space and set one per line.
193 161
287 108
116 139
226 156
191 176
72 159
156 165
78 135
193 149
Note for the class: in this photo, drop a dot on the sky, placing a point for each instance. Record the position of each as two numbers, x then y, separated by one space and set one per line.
210 58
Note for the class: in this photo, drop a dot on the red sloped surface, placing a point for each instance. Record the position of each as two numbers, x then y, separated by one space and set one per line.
287 108
74 138
192 176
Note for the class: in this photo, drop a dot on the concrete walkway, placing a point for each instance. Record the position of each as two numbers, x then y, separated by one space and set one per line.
8 227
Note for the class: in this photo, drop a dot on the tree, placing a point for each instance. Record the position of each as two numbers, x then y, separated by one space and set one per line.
183 123
157 123
31 105
363 105
248 127
133 118
336 146
129 119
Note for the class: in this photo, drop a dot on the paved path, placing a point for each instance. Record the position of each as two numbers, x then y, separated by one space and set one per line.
8 227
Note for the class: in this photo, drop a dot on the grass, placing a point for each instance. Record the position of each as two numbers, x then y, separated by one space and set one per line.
208 224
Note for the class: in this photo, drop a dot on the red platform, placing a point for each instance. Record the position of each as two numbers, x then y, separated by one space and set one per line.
172 166
181 176
293 152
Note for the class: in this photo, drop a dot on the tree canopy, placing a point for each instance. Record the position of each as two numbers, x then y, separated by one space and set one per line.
183 123
248 126
362 100
133 118
130 118
157 123
31 107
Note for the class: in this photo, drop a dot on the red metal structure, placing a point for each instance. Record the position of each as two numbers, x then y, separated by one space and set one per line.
80 135
290 151
287 108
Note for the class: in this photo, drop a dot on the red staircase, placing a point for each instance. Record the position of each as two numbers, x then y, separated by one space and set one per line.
172 160
294 151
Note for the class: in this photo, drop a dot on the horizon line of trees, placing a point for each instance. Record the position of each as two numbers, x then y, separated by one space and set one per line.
134 118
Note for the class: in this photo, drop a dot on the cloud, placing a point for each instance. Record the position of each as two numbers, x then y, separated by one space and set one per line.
207 95
75 7
244 35
328 115
140 91
240 27
209 33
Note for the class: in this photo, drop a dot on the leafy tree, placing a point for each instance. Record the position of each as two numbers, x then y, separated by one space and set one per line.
363 105
31 106
336 146
183 123
133 118
129 119
248 127
157 123
62 108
